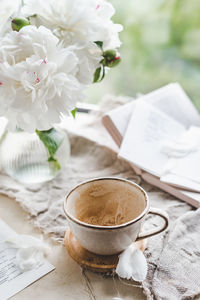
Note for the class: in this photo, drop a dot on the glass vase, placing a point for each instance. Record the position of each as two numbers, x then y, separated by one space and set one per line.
24 157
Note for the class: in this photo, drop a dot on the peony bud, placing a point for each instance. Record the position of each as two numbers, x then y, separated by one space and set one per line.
109 54
18 23
114 62
111 59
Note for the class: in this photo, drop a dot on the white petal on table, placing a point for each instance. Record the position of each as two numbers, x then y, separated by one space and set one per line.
30 251
132 264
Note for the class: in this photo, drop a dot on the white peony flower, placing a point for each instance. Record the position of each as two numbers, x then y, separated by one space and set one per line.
76 21
38 78
45 67
79 23
89 58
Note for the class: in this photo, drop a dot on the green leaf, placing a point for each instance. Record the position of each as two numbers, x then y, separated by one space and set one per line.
73 112
99 44
97 74
52 139
103 73
54 164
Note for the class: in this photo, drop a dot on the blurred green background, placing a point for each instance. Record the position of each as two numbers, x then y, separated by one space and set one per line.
160 44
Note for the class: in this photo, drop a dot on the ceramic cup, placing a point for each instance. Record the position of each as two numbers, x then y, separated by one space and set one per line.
108 240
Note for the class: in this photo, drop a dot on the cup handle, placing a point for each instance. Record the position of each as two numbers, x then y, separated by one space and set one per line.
160 213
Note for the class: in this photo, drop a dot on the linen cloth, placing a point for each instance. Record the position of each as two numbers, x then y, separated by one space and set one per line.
173 257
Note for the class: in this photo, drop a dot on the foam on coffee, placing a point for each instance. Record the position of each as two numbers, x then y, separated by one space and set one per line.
107 202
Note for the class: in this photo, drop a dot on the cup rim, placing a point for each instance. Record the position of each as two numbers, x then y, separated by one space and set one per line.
113 227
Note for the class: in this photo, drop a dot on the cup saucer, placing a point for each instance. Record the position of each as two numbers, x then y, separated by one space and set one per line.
92 261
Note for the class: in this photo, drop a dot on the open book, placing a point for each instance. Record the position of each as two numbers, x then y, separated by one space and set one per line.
142 129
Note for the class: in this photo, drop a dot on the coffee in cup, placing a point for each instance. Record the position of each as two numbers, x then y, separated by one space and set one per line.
107 203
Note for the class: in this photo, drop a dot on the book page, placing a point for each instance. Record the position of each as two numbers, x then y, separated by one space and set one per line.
12 279
187 167
148 128
173 101
121 115
170 99
183 166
